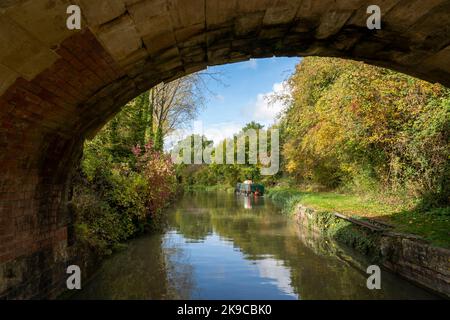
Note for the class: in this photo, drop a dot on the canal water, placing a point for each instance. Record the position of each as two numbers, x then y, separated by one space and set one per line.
222 246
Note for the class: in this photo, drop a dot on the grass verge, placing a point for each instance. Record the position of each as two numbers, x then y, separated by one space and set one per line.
433 225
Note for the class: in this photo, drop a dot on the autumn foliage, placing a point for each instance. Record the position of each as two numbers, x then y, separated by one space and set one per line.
158 170
353 126
122 186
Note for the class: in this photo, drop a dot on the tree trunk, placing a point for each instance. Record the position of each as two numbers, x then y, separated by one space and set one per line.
151 110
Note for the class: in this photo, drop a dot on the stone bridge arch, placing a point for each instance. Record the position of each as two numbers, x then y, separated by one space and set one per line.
58 86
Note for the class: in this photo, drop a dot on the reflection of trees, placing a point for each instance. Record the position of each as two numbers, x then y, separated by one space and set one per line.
140 272
157 267
316 272
179 270
193 226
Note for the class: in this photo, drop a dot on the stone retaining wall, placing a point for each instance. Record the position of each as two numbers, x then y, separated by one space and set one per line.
406 255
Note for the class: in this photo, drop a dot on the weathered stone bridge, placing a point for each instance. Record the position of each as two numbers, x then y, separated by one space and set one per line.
58 86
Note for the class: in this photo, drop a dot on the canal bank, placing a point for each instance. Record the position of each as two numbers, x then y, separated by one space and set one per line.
406 255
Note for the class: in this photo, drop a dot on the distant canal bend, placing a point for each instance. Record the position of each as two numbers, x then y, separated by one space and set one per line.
222 246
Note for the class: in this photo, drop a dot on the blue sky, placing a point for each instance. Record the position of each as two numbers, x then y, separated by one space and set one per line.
240 99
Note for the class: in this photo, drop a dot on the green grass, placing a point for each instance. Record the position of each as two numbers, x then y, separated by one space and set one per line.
329 201
432 225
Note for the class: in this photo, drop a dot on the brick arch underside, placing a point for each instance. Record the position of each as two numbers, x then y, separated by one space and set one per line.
45 118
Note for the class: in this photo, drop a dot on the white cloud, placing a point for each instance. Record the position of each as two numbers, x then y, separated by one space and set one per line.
281 275
250 64
220 98
216 132
263 109
220 131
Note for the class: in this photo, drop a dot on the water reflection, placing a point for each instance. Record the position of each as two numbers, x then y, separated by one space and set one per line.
222 246
275 270
142 271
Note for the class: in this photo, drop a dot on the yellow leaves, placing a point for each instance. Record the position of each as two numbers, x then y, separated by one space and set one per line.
291 166
348 115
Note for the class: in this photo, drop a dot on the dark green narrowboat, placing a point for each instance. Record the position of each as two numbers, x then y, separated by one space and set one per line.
247 189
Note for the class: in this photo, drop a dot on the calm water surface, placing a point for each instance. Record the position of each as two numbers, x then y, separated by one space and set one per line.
222 246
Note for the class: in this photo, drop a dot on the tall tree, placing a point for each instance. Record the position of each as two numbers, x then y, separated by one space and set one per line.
176 104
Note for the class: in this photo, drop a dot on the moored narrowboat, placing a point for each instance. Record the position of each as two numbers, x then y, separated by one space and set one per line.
250 189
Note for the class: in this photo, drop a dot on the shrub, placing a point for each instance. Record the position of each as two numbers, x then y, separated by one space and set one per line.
115 201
